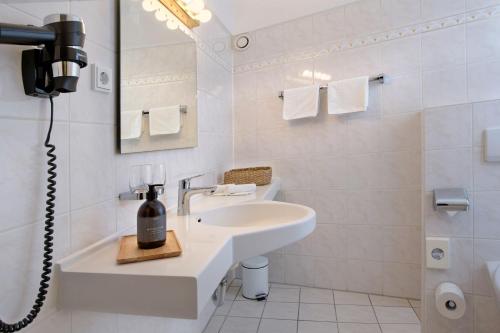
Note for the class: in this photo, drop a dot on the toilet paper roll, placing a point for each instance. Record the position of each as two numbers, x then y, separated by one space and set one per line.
450 300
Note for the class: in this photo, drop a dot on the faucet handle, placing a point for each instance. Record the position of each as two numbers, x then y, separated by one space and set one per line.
185 182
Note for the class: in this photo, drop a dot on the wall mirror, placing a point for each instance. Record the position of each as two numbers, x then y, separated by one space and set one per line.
158 107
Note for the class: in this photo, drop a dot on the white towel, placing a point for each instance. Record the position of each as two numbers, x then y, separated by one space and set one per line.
349 95
165 120
130 124
301 102
232 189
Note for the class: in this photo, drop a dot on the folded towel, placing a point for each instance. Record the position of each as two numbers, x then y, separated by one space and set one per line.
232 189
301 102
165 120
349 95
130 124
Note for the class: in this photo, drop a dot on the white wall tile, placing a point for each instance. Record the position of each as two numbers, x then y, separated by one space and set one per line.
92 157
401 280
448 168
486 174
482 44
397 13
329 25
485 115
448 127
402 93
435 9
447 86
24 170
482 79
363 17
401 56
487 215
486 314
443 48
365 276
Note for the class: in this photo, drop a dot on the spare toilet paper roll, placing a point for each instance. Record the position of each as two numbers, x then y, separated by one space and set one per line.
450 300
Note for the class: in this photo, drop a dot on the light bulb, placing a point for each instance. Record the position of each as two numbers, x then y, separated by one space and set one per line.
196 6
204 16
172 24
150 5
161 14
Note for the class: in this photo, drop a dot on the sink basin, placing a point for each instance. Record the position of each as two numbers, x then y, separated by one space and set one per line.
257 214
270 224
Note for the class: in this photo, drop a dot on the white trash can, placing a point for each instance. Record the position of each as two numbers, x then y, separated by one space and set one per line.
254 273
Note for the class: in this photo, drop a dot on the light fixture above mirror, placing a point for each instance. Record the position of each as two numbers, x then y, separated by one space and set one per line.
179 14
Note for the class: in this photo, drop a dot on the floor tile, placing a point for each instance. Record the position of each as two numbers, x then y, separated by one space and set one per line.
247 309
400 328
389 301
240 325
350 298
284 286
358 328
277 326
283 295
317 327
395 315
224 308
317 312
214 324
231 293
314 295
356 314
277 310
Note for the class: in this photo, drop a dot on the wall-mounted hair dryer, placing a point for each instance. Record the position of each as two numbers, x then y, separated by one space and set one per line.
53 67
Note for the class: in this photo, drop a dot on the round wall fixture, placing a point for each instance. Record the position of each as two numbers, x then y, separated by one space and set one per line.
241 42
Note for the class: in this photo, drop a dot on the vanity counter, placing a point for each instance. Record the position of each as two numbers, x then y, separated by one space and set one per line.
173 287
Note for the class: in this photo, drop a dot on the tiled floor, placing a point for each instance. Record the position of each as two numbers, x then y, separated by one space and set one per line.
293 309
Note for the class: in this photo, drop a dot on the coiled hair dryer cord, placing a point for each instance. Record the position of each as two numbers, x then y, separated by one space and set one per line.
48 237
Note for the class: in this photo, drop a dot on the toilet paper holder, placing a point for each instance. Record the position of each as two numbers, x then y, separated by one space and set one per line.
451 200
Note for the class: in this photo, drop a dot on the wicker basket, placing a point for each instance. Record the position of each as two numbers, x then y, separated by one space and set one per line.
259 176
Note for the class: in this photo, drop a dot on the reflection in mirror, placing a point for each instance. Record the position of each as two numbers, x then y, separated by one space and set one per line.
158 108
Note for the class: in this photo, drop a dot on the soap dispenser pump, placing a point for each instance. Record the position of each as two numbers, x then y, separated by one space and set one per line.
151 221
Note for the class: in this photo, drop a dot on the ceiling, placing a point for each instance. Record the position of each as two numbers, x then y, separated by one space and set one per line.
247 15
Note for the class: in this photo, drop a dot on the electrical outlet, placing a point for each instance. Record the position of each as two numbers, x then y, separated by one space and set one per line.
438 252
102 78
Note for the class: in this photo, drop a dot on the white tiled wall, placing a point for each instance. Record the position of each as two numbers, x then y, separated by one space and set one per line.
90 171
362 173
453 157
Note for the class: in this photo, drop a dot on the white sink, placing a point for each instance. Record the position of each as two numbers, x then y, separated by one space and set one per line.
261 214
229 231
260 227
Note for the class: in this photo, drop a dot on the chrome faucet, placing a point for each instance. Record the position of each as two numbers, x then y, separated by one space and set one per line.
186 192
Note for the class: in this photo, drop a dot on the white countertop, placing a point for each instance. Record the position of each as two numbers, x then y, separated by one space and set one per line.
92 280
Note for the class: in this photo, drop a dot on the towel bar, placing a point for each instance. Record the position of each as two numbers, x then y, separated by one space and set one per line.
379 78
183 110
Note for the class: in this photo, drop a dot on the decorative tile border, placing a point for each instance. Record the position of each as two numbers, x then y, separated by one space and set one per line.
343 45
158 80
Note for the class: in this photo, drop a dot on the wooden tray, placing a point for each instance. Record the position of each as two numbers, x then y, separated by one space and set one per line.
130 252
